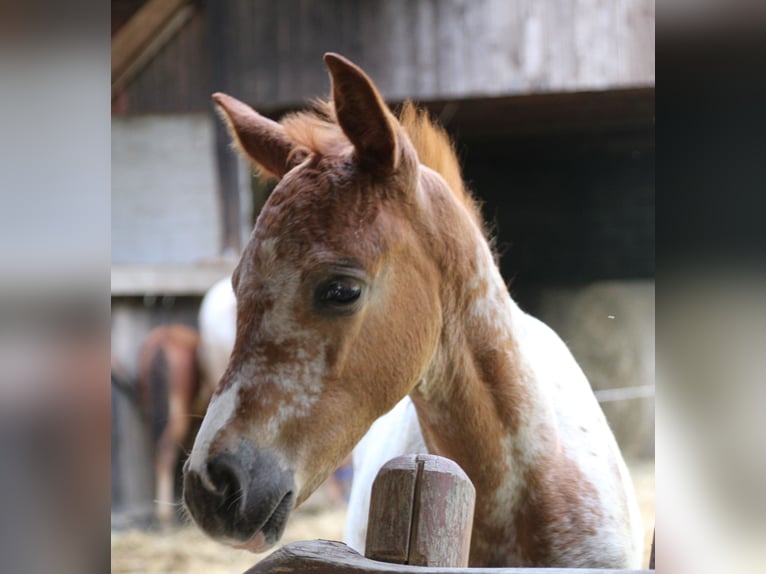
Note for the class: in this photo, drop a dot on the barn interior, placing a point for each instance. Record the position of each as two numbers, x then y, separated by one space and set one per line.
551 107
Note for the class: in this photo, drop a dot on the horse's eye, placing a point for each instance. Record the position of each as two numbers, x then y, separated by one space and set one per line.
340 292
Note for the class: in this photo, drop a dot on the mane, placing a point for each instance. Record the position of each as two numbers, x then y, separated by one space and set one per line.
316 130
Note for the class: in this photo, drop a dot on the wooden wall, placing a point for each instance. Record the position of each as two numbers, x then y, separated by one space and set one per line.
177 79
269 52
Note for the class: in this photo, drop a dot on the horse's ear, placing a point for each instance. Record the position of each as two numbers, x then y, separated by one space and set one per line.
260 139
363 116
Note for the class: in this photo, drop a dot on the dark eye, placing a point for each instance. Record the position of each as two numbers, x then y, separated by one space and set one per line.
339 292
338 296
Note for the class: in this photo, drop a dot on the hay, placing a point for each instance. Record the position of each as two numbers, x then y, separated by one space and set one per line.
186 550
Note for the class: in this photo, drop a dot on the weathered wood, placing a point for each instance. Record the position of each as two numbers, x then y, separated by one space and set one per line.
590 120
391 511
143 36
441 533
224 61
337 558
177 79
421 512
421 49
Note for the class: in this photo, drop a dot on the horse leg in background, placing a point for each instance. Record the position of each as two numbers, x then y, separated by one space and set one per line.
394 434
165 460
169 382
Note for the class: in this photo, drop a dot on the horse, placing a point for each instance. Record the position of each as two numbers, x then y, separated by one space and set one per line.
216 320
369 279
172 398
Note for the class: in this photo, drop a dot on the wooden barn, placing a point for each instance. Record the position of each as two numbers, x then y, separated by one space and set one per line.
550 103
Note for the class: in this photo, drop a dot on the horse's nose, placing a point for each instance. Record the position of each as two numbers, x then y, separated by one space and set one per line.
242 496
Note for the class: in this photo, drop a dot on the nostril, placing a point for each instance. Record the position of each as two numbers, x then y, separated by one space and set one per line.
223 476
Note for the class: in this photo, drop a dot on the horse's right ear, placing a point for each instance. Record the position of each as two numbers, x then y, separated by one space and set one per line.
263 141
363 116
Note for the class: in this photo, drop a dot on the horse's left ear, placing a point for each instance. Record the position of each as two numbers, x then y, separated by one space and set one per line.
363 116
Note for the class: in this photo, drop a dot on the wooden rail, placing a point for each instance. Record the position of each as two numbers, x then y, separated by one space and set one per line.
421 515
330 557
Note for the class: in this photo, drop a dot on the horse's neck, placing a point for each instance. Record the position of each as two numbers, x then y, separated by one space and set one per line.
481 382
505 399
481 403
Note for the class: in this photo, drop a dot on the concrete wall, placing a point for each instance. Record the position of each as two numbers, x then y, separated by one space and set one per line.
165 207
132 477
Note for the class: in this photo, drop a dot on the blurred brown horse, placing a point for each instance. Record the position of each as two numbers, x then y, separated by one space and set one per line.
173 400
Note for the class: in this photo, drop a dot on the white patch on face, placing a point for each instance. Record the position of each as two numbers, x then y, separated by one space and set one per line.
300 386
295 384
219 413
267 250
286 387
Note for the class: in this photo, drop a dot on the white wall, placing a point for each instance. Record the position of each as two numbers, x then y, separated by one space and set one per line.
165 206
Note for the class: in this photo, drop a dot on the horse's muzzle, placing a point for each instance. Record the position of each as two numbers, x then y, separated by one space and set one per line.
241 497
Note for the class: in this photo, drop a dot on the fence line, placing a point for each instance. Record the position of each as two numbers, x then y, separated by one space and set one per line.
624 393
421 515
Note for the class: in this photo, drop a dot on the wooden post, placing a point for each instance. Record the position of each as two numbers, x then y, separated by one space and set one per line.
421 512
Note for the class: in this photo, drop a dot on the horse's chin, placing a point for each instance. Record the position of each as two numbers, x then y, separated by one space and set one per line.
269 534
256 544
266 538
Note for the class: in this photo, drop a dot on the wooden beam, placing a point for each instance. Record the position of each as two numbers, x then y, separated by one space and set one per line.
134 45
326 556
139 280
494 119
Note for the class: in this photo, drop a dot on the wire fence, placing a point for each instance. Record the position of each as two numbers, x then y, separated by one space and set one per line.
624 393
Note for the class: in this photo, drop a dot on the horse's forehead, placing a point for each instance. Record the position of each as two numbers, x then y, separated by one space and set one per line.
315 185
298 222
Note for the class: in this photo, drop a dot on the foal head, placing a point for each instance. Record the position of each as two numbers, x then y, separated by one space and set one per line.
338 312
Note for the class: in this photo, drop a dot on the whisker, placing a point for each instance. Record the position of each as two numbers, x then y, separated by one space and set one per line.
164 502
237 499
186 516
